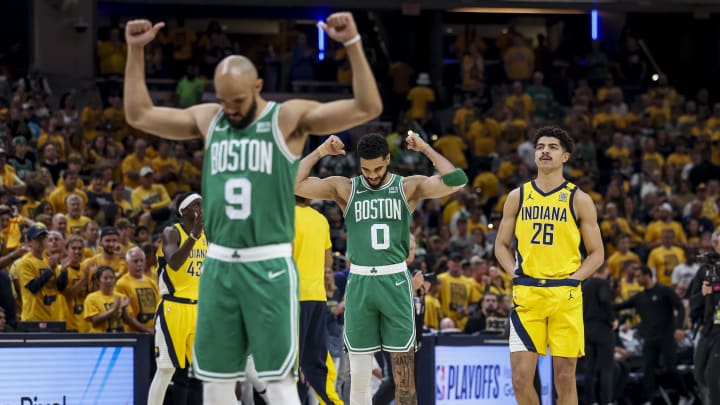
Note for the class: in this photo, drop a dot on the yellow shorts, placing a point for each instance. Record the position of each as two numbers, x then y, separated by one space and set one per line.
174 333
547 313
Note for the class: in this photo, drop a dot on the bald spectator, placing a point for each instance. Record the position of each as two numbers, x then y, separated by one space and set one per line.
59 224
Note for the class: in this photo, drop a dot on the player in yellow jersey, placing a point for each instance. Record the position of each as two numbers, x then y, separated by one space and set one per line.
183 250
551 220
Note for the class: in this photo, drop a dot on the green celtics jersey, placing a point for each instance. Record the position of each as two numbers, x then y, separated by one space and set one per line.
378 223
248 182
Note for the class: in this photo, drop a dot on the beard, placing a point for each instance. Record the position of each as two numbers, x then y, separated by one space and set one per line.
380 183
247 119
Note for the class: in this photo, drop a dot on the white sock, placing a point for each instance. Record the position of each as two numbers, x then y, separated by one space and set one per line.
252 376
158 387
283 392
219 393
360 373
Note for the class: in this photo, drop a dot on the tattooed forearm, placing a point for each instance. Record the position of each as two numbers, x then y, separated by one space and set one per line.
403 366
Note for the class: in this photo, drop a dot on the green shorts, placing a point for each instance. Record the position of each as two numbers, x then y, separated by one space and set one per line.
379 312
246 308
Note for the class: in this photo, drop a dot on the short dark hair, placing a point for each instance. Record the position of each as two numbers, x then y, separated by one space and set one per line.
565 139
646 271
372 146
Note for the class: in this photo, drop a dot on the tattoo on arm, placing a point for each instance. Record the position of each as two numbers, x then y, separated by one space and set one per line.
403 366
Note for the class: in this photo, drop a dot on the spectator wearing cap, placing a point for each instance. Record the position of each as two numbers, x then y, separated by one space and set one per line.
134 162
663 221
23 160
664 258
108 255
149 196
421 98
76 221
10 180
58 196
38 279
143 293
457 293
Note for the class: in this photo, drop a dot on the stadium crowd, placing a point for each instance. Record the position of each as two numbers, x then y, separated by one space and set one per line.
84 197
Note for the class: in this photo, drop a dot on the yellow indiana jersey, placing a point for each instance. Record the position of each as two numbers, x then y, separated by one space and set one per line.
144 298
74 306
185 281
547 233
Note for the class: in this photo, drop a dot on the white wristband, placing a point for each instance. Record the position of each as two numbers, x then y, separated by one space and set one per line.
352 40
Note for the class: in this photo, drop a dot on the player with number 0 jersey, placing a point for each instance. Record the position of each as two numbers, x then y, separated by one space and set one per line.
378 206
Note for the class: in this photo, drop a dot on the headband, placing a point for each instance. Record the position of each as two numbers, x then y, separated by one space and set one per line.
187 201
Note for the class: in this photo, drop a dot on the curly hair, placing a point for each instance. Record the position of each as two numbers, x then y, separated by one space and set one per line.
566 141
372 146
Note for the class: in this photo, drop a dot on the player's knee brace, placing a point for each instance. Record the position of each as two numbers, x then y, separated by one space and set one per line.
360 374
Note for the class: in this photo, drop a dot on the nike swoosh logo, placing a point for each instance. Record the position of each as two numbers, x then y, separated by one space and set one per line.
360 192
219 128
275 274
397 283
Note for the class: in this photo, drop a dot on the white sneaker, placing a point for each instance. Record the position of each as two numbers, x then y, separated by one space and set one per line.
686 400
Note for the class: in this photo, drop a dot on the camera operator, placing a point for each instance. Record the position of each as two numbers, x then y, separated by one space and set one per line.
705 303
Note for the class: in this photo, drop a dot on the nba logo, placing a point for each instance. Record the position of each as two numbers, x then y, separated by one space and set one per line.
563 196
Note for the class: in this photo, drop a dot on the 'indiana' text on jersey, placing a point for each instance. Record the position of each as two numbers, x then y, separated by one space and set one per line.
547 233
248 182
378 223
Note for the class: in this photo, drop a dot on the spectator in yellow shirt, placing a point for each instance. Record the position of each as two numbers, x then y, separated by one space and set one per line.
38 279
421 97
656 229
621 255
519 60
142 291
457 292
58 196
148 195
112 54
133 162
519 99
664 258
76 221
454 147
106 310
9 180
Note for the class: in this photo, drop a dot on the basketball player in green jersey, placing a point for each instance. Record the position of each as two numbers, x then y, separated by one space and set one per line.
378 206
247 303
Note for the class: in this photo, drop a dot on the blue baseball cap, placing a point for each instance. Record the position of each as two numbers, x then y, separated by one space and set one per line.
35 231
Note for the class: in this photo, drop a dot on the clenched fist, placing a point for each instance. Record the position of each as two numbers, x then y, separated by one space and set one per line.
141 32
415 142
332 146
340 27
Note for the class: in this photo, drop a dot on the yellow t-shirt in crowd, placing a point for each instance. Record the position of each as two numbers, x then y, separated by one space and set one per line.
45 304
420 97
456 294
453 147
144 298
664 260
96 303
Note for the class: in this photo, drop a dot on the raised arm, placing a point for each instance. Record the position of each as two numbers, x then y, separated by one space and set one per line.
506 231
335 188
327 118
587 215
449 180
169 123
